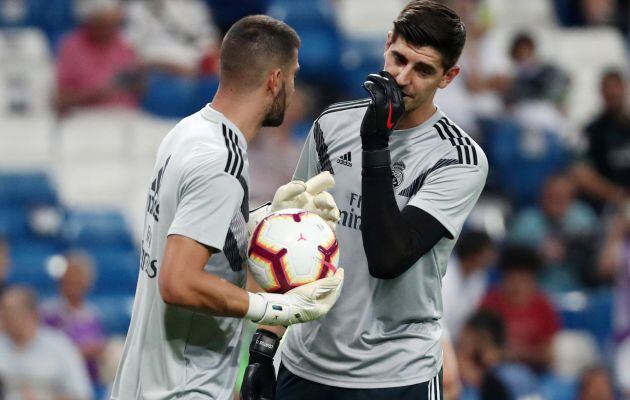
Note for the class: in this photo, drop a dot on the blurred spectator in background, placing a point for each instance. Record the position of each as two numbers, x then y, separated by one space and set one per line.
466 278
5 263
36 362
485 71
484 365
594 13
175 36
534 79
537 89
276 153
564 231
96 66
604 172
614 264
530 319
596 384
70 313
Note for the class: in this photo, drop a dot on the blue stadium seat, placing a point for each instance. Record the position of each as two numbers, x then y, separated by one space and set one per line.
97 229
170 96
14 222
48 246
55 18
29 268
516 170
360 57
27 189
303 14
206 88
591 312
115 312
557 388
319 55
117 271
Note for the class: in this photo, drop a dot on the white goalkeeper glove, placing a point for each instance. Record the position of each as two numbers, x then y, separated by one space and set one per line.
303 304
310 196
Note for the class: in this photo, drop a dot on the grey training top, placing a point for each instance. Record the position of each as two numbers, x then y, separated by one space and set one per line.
199 190
385 333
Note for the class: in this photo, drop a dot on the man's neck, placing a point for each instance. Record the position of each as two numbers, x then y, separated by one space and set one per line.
418 116
243 111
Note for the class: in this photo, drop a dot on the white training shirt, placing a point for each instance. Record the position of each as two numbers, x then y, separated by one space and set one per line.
199 190
385 333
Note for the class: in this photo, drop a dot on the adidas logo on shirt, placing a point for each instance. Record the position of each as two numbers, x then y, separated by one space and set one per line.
345 159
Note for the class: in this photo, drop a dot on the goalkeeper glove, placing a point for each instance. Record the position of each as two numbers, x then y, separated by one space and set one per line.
259 381
302 304
310 196
383 113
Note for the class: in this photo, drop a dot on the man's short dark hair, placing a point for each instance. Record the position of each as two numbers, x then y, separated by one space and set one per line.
254 45
491 323
520 258
429 23
471 243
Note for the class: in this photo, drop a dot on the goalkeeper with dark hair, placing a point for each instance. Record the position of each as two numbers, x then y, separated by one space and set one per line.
406 179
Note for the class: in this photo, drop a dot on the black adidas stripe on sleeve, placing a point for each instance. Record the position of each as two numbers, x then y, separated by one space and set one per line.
417 183
466 151
322 149
234 165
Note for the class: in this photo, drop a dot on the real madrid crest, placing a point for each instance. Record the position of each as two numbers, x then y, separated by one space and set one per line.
398 170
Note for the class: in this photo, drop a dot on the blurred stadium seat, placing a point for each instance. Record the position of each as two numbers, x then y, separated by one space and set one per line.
590 312
314 20
170 96
359 58
29 267
357 21
95 134
114 311
26 188
522 14
26 142
100 229
14 222
26 73
521 159
117 271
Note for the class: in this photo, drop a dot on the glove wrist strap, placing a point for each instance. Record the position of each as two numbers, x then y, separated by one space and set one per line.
376 158
265 343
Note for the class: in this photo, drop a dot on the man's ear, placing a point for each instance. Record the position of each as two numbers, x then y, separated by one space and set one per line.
274 82
449 76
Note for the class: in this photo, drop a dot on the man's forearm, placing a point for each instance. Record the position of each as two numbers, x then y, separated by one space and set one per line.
393 240
207 293
593 183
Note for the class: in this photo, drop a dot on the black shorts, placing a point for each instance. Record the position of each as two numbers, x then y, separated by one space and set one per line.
292 387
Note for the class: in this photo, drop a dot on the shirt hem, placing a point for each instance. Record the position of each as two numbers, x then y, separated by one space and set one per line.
330 380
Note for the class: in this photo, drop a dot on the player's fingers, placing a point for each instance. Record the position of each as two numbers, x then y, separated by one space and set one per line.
324 201
339 274
331 224
289 191
320 182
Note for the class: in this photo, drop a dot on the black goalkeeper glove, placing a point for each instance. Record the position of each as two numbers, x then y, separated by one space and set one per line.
259 382
384 111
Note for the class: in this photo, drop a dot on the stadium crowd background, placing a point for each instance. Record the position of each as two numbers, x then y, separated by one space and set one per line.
88 88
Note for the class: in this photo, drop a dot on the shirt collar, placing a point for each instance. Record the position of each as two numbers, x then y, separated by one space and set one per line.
422 128
213 115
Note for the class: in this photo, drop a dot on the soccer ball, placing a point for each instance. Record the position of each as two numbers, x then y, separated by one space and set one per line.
290 248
